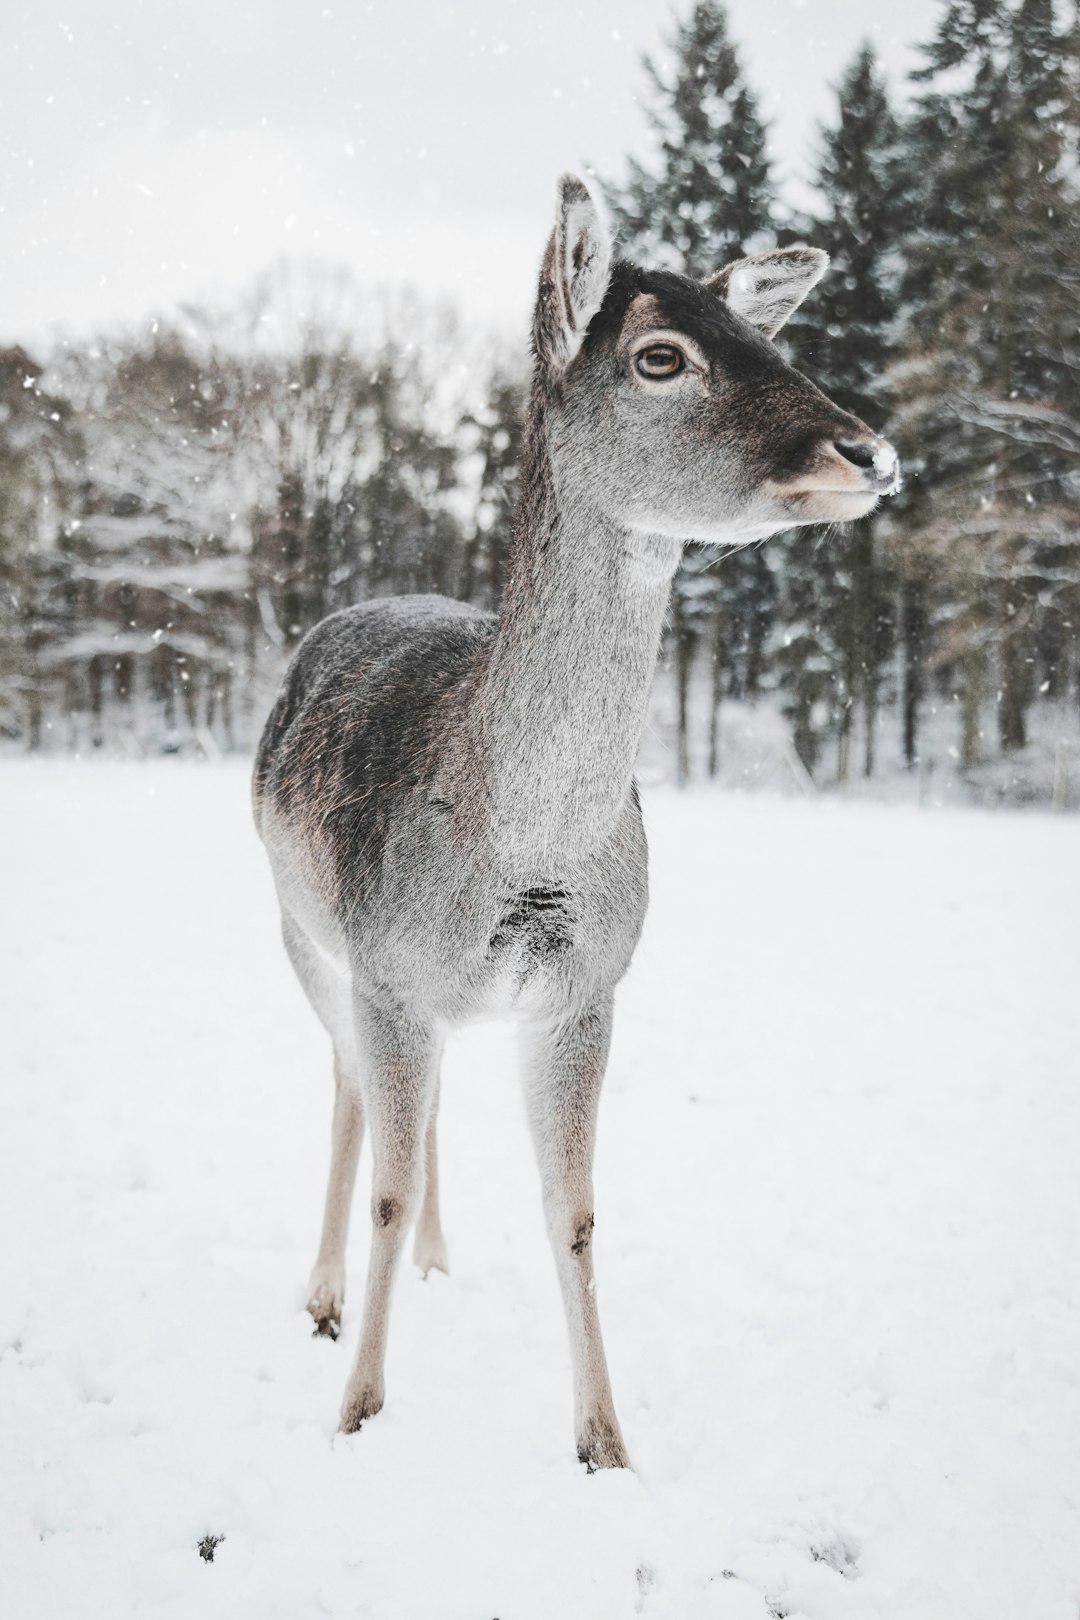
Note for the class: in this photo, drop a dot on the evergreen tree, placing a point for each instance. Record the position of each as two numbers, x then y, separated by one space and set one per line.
707 198
989 390
836 617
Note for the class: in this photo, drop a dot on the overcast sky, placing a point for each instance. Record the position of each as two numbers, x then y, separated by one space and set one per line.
156 151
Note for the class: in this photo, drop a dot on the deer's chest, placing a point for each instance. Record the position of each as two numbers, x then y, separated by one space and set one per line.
536 924
482 943
531 944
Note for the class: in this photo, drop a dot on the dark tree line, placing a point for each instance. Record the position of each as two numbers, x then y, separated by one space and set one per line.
178 511
177 507
949 320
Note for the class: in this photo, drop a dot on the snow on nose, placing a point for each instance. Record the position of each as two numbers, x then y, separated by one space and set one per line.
875 456
887 466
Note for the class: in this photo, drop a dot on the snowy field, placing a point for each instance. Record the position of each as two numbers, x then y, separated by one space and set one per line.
838 1240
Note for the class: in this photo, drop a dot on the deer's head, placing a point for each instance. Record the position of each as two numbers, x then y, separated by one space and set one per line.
670 399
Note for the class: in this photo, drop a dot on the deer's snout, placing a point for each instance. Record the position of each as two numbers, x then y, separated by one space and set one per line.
845 471
875 458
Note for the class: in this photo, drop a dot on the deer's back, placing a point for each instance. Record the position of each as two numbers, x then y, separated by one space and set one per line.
353 729
381 664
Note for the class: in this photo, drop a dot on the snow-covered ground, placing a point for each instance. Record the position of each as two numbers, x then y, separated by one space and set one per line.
838 1240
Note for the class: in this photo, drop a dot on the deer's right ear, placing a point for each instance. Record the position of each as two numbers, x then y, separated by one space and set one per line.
767 289
575 275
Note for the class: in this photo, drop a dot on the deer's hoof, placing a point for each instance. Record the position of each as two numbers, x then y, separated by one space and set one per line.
359 1406
601 1445
326 1294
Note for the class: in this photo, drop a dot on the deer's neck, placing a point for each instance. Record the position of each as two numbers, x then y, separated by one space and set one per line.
564 693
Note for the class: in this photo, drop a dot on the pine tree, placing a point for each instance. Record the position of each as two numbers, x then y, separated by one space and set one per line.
707 198
1036 416
989 391
836 616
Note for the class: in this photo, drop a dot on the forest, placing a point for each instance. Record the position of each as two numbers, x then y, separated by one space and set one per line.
179 503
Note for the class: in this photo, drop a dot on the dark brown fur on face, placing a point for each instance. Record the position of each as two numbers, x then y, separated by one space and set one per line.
755 427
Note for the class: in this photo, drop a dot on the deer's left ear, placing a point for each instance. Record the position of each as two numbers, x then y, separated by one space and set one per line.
768 288
575 275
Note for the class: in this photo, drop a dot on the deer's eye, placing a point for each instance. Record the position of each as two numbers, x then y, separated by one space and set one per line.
660 360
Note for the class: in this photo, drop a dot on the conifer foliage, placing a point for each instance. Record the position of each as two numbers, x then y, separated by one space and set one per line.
990 386
949 319
177 508
835 622
705 198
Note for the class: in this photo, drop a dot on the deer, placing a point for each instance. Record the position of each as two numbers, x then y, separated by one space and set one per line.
447 795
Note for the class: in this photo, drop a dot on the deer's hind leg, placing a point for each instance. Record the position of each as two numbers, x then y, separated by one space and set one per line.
329 995
398 1056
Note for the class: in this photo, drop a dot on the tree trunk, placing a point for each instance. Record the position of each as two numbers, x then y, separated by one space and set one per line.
227 719
843 751
96 681
758 620
468 567
684 650
715 691
972 677
1016 682
868 656
683 662
870 711
913 630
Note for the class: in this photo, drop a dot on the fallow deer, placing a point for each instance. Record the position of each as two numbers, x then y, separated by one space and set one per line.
447 796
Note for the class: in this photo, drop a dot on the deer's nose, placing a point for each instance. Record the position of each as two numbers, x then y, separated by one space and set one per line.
874 456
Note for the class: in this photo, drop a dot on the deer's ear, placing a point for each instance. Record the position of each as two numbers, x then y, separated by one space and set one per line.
768 288
575 275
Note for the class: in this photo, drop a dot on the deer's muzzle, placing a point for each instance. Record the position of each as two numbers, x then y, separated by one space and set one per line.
861 468
875 458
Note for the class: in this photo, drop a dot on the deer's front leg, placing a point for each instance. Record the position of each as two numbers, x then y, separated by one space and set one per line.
398 1063
564 1068
429 1247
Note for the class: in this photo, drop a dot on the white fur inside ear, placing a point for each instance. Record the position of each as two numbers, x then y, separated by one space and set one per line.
584 261
587 262
767 290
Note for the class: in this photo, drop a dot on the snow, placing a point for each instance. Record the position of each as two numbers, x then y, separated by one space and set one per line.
885 461
838 1235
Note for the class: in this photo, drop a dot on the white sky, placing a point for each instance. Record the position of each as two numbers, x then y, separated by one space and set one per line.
156 151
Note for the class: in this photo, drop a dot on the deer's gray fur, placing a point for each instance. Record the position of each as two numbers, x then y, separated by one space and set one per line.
446 796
